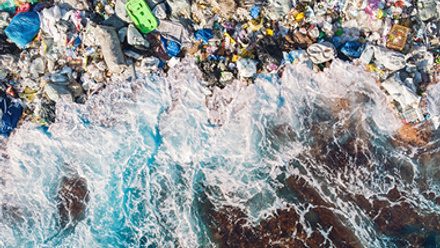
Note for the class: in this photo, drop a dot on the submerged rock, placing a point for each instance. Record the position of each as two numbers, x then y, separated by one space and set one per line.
72 199
229 226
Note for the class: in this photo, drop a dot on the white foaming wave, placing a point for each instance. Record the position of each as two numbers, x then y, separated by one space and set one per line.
305 90
109 142
224 154
234 163
25 205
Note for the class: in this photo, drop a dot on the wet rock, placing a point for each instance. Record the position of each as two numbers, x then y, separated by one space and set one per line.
324 217
405 222
407 172
402 221
229 226
415 135
349 149
340 105
285 131
394 194
72 199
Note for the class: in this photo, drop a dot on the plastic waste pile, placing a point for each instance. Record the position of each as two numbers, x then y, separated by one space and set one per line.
70 49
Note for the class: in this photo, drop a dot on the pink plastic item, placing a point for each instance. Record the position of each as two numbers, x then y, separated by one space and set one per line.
23 8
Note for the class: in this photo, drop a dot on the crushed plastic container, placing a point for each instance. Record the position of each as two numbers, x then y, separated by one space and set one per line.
175 31
321 52
412 115
4 19
135 38
397 38
56 91
141 15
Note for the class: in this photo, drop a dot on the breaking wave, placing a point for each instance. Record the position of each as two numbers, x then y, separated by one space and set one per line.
300 160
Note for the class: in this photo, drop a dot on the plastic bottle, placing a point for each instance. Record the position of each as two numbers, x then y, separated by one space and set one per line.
59 79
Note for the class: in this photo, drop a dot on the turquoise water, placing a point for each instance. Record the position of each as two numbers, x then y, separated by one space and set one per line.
148 150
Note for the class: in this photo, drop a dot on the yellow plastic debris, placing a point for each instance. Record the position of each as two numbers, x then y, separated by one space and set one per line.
230 38
247 54
235 57
255 25
269 31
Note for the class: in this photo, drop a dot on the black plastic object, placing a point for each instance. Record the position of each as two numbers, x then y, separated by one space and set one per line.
268 51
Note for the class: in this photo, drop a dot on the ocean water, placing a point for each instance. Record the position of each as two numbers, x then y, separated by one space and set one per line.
300 160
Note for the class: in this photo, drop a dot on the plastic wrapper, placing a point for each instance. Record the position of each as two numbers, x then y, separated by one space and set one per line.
246 67
175 31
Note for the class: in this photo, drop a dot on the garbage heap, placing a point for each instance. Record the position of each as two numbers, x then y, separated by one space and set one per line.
70 49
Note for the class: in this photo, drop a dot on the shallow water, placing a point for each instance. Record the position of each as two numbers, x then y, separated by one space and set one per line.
302 160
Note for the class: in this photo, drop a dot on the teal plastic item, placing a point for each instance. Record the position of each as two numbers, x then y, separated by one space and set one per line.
141 15
7 6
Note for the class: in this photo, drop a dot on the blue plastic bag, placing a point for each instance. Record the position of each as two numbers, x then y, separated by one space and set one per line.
255 11
204 34
352 49
23 28
336 41
171 47
11 116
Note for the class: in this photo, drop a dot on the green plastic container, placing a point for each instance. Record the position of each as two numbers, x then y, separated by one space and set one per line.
141 15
